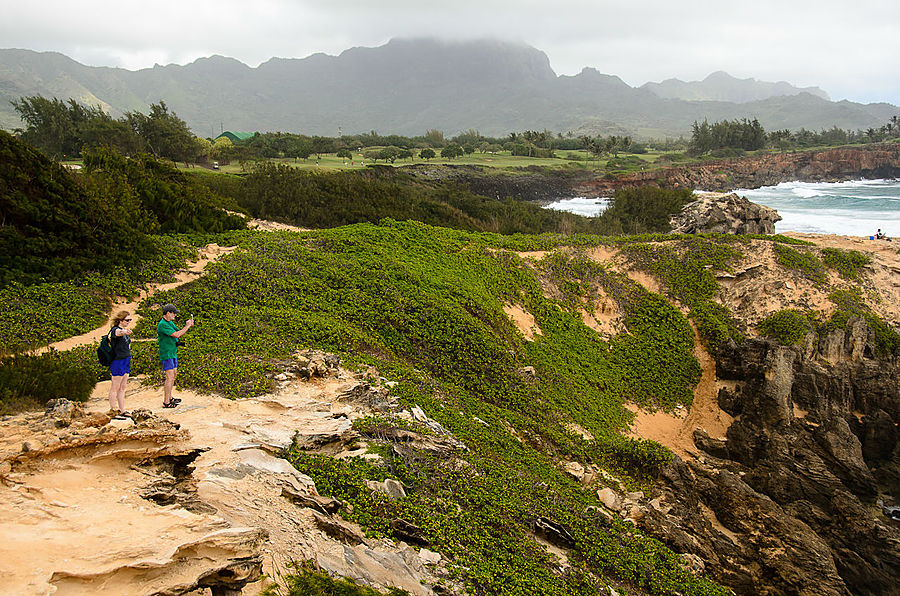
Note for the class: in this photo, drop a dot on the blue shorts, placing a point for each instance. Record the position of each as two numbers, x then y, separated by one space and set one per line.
170 363
117 368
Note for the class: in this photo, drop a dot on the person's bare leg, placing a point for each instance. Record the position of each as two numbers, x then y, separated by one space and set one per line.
169 384
114 391
120 395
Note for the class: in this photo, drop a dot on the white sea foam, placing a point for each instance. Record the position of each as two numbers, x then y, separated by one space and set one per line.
806 193
853 208
580 206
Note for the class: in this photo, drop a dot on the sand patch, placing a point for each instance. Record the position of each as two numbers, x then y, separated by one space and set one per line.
649 282
523 320
676 430
658 426
705 412
534 254
273 226
605 318
603 254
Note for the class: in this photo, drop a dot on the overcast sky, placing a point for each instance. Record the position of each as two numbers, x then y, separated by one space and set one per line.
849 48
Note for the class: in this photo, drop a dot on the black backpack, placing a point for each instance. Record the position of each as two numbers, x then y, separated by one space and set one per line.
105 351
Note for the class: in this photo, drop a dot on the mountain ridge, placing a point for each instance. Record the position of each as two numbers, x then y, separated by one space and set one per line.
721 86
407 86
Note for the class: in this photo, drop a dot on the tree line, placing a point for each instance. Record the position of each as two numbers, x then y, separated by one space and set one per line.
731 138
65 128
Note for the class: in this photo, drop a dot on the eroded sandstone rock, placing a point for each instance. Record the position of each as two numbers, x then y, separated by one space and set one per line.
728 214
788 503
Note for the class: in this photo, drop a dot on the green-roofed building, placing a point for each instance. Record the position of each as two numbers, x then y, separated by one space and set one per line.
234 137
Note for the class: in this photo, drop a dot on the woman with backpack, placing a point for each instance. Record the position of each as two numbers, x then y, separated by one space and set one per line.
120 367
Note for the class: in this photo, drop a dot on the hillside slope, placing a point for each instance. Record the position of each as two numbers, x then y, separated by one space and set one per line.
494 378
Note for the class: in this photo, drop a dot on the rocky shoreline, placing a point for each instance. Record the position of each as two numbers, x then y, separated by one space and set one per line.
825 165
545 186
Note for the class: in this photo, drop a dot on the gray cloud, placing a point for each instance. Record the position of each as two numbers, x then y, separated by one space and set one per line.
847 48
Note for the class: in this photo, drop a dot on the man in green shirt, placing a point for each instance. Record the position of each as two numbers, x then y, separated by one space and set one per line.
168 333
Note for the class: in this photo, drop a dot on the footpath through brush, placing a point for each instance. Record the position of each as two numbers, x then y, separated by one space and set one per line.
183 499
208 254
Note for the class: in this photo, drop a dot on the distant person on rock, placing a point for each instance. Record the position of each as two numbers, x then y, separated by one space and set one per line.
168 333
879 235
120 367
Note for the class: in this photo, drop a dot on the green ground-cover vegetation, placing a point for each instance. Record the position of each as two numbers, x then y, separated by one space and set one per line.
425 304
788 326
687 272
846 262
804 261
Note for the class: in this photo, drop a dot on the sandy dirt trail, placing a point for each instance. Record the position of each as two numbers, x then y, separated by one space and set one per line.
208 254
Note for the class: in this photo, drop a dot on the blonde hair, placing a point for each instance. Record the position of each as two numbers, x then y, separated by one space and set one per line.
120 316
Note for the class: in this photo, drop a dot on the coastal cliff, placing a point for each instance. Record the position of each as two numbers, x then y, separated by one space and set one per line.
786 502
825 165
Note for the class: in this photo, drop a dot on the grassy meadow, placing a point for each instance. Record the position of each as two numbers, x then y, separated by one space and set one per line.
503 160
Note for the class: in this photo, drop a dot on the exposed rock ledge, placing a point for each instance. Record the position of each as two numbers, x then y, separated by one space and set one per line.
197 501
788 502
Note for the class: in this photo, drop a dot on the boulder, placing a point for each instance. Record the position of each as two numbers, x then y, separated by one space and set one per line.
390 487
409 532
575 470
724 214
610 499
63 411
429 557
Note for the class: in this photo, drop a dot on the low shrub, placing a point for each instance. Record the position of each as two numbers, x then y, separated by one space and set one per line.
29 381
847 263
787 326
645 209
808 264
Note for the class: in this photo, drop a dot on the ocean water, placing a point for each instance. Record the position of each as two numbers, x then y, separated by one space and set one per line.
854 208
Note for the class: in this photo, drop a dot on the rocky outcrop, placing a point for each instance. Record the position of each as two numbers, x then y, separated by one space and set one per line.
787 503
724 214
826 165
